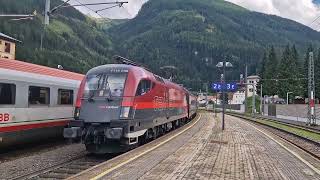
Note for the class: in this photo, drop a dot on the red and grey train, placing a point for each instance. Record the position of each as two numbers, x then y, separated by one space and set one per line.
121 105
36 102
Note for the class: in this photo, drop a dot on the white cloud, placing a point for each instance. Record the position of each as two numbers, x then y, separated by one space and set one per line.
128 10
303 11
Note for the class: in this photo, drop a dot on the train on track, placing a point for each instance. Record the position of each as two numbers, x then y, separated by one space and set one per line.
36 102
120 106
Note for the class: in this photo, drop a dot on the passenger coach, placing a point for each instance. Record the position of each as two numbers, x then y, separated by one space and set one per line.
36 102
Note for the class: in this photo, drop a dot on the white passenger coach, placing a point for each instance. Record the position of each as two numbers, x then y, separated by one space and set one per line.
36 102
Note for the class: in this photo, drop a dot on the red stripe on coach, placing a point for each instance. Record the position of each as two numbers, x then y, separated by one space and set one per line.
33 126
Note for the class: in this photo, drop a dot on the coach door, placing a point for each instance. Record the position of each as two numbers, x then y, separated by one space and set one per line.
167 100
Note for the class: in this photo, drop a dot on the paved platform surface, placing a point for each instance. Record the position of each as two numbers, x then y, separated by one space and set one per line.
204 152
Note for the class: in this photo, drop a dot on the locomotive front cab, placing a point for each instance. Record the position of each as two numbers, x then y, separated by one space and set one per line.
104 110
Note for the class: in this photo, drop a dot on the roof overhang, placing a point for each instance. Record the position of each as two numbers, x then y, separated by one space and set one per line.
8 38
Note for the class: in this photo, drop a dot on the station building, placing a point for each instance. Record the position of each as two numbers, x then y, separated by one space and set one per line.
239 97
8 46
252 80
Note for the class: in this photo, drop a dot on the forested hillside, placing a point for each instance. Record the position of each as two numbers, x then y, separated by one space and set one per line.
194 35
72 39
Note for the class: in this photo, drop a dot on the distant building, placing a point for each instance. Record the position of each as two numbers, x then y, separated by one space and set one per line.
7 46
238 97
252 80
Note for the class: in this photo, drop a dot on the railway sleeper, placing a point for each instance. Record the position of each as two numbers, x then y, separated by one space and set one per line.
76 166
52 175
66 171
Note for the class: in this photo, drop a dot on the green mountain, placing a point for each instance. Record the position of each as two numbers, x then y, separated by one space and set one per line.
72 40
195 35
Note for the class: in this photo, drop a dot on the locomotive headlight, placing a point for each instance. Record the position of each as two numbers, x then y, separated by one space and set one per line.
76 113
125 112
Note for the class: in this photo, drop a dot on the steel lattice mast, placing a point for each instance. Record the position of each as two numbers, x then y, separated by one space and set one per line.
311 92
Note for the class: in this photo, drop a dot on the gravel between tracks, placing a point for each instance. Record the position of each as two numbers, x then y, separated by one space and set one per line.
40 161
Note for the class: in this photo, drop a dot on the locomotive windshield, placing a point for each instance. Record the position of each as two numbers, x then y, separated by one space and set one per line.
105 85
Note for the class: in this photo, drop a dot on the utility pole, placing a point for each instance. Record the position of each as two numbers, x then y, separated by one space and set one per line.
46 12
207 91
288 93
246 87
46 21
261 93
311 91
223 94
254 99
215 109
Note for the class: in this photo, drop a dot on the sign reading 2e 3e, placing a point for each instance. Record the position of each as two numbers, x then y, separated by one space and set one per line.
227 86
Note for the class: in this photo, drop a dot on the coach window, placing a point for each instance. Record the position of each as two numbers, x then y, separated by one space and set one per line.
143 87
39 95
65 97
7 94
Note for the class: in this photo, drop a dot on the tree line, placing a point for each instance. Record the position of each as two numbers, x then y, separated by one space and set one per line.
287 71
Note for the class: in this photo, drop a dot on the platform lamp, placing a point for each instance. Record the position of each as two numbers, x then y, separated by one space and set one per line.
223 65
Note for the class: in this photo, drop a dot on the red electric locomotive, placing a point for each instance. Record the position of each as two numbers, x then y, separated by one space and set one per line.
121 105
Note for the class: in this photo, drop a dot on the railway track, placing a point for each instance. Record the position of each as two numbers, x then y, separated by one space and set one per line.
29 149
308 145
67 168
84 161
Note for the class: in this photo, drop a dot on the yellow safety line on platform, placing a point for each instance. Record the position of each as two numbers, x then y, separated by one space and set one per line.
292 152
143 153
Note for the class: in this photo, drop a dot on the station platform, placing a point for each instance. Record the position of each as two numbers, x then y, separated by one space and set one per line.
242 151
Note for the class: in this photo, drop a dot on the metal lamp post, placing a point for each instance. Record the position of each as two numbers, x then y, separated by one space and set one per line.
223 65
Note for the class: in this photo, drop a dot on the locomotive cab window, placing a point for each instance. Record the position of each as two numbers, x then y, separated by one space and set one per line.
7 94
144 87
65 97
39 95
105 85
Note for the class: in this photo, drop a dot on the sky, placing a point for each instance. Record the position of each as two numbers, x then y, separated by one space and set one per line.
129 10
302 11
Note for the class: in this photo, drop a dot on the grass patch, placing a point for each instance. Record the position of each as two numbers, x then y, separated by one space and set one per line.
297 131
60 28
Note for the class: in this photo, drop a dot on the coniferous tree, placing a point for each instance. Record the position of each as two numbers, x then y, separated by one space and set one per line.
262 73
269 85
287 72
298 83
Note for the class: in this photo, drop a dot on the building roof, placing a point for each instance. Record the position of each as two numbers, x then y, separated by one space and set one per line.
38 69
253 77
8 38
